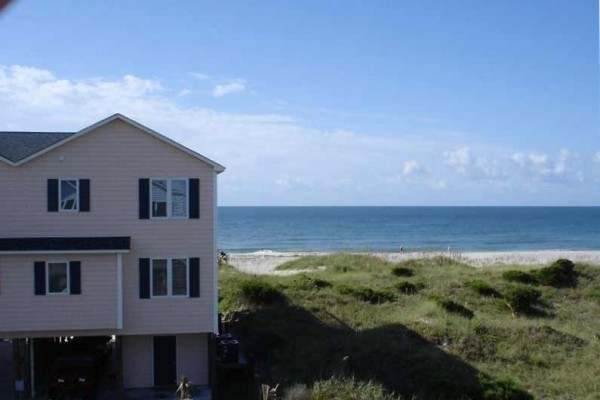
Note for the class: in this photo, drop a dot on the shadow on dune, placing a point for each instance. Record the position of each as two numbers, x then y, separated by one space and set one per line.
294 345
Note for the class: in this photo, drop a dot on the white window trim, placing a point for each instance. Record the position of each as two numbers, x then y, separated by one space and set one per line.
48 292
60 209
169 202
170 278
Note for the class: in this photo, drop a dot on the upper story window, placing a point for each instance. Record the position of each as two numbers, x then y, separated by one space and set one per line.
69 195
169 198
162 198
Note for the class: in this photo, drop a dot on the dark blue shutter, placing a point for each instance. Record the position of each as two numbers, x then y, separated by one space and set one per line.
52 195
39 278
144 195
75 277
194 198
84 195
144 278
194 277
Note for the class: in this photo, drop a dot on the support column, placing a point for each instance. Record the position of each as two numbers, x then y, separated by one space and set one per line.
32 367
119 291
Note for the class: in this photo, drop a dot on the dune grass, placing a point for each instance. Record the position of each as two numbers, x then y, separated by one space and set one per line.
412 345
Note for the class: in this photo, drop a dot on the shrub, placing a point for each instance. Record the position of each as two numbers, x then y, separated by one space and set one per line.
503 389
519 276
451 306
349 389
372 296
559 274
402 271
258 292
408 287
520 298
483 288
308 283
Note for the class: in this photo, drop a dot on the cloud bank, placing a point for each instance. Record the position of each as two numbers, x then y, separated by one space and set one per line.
275 159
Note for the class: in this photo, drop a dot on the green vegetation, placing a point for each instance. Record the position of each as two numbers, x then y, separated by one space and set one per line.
373 296
482 288
335 332
408 287
306 282
402 271
593 293
259 292
519 276
521 298
558 274
451 306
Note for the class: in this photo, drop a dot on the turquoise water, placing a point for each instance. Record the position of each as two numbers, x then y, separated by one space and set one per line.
249 229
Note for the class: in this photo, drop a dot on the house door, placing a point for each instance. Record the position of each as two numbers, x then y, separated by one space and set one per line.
165 361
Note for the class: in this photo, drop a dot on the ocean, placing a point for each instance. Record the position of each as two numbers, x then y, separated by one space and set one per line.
300 229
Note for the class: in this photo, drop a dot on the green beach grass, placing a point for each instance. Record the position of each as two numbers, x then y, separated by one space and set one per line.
351 322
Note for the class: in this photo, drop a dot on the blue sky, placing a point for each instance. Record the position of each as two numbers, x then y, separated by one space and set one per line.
329 103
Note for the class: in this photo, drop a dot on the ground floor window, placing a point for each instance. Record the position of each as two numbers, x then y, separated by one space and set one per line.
58 277
169 277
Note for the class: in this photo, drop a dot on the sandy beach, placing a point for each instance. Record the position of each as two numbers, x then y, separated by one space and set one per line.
265 262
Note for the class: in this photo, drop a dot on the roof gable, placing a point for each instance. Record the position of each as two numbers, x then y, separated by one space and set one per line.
21 149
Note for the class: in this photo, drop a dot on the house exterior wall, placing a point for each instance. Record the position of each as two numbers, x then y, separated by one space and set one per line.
138 367
114 157
22 311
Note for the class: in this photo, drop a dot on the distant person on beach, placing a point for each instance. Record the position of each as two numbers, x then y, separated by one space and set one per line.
401 249
223 258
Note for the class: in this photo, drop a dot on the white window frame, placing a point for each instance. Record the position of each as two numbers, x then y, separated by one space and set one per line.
48 292
169 201
60 181
170 278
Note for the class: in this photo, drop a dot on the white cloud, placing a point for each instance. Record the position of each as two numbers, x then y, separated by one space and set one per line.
567 166
460 159
474 167
184 92
238 85
200 76
272 158
597 157
411 167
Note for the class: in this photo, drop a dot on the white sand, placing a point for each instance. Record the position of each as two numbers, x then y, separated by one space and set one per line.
265 262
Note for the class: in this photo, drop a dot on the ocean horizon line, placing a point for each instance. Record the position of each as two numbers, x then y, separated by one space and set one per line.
410 206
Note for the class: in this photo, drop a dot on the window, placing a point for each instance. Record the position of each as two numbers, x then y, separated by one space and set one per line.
69 194
169 277
58 278
169 198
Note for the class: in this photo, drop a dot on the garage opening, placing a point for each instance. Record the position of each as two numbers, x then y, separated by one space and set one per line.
74 367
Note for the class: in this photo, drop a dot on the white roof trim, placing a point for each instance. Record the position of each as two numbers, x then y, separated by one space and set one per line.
217 167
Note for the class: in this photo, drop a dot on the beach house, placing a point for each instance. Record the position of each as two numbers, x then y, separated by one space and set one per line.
109 231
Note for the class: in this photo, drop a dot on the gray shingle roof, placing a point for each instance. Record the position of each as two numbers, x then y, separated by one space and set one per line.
15 146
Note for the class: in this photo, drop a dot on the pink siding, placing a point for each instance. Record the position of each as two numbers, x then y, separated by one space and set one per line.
138 368
137 362
114 157
192 358
94 308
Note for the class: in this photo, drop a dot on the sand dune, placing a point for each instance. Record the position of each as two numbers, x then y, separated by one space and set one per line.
265 262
